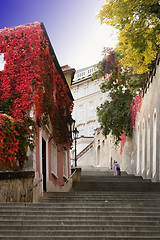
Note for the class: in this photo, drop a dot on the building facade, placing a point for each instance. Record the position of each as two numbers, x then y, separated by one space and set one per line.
87 97
141 153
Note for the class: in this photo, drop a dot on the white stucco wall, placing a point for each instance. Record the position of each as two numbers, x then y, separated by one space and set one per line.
141 154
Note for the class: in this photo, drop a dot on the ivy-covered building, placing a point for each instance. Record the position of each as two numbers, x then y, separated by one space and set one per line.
35 105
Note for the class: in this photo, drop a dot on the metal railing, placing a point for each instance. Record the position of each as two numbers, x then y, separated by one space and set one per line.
69 177
31 189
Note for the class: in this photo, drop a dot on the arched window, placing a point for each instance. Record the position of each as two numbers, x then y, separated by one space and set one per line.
98 155
138 149
143 146
148 145
154 143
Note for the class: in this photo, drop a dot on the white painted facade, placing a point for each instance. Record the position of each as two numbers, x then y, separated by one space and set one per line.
141 153
87 97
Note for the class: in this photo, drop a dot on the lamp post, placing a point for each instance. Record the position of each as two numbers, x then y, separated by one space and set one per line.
71 125
75 132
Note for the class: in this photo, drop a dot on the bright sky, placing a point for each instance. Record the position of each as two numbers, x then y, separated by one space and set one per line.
76 35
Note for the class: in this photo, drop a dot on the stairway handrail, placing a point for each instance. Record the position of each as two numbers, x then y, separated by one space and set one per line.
31 189
70 177
88 147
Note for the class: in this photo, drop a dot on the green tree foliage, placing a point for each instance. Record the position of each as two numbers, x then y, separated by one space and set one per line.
114 115
122 85
138 22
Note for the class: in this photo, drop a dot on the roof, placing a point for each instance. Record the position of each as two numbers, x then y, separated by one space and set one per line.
68 69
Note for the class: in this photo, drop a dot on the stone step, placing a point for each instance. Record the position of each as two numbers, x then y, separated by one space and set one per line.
72 209
80 227
107 200
81 218
87 222
77 233
119 195
109 173
82 213
119 182
80 238
114 203
127 187
101 207
114 178
100 199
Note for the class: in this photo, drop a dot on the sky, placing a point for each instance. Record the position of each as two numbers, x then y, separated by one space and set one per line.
76 35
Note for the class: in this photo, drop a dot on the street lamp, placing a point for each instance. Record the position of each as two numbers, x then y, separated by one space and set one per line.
71 125
75 134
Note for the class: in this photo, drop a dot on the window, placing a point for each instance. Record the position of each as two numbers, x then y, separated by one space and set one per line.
65 165
81 113
91 88
81 92
2 62
54 159
91 110
81 131
91 131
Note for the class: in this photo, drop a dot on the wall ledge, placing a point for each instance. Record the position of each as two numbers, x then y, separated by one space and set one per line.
16 174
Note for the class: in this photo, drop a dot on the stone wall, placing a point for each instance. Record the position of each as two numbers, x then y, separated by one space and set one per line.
141 154
16 186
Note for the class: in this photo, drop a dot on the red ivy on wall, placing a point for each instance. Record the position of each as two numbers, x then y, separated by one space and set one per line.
135 108
9 142
29 72
122 141
31 81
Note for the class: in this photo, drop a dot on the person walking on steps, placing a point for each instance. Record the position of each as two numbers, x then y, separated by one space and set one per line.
117 170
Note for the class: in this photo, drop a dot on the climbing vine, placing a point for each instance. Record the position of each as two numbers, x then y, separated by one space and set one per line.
135 108
31 83
117 115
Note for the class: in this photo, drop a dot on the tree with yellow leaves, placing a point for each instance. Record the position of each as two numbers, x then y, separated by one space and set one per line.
138 22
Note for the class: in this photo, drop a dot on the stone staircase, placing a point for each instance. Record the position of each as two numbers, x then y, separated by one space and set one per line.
100 207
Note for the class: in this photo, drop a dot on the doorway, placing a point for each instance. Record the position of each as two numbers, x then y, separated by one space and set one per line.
44 164
98 156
